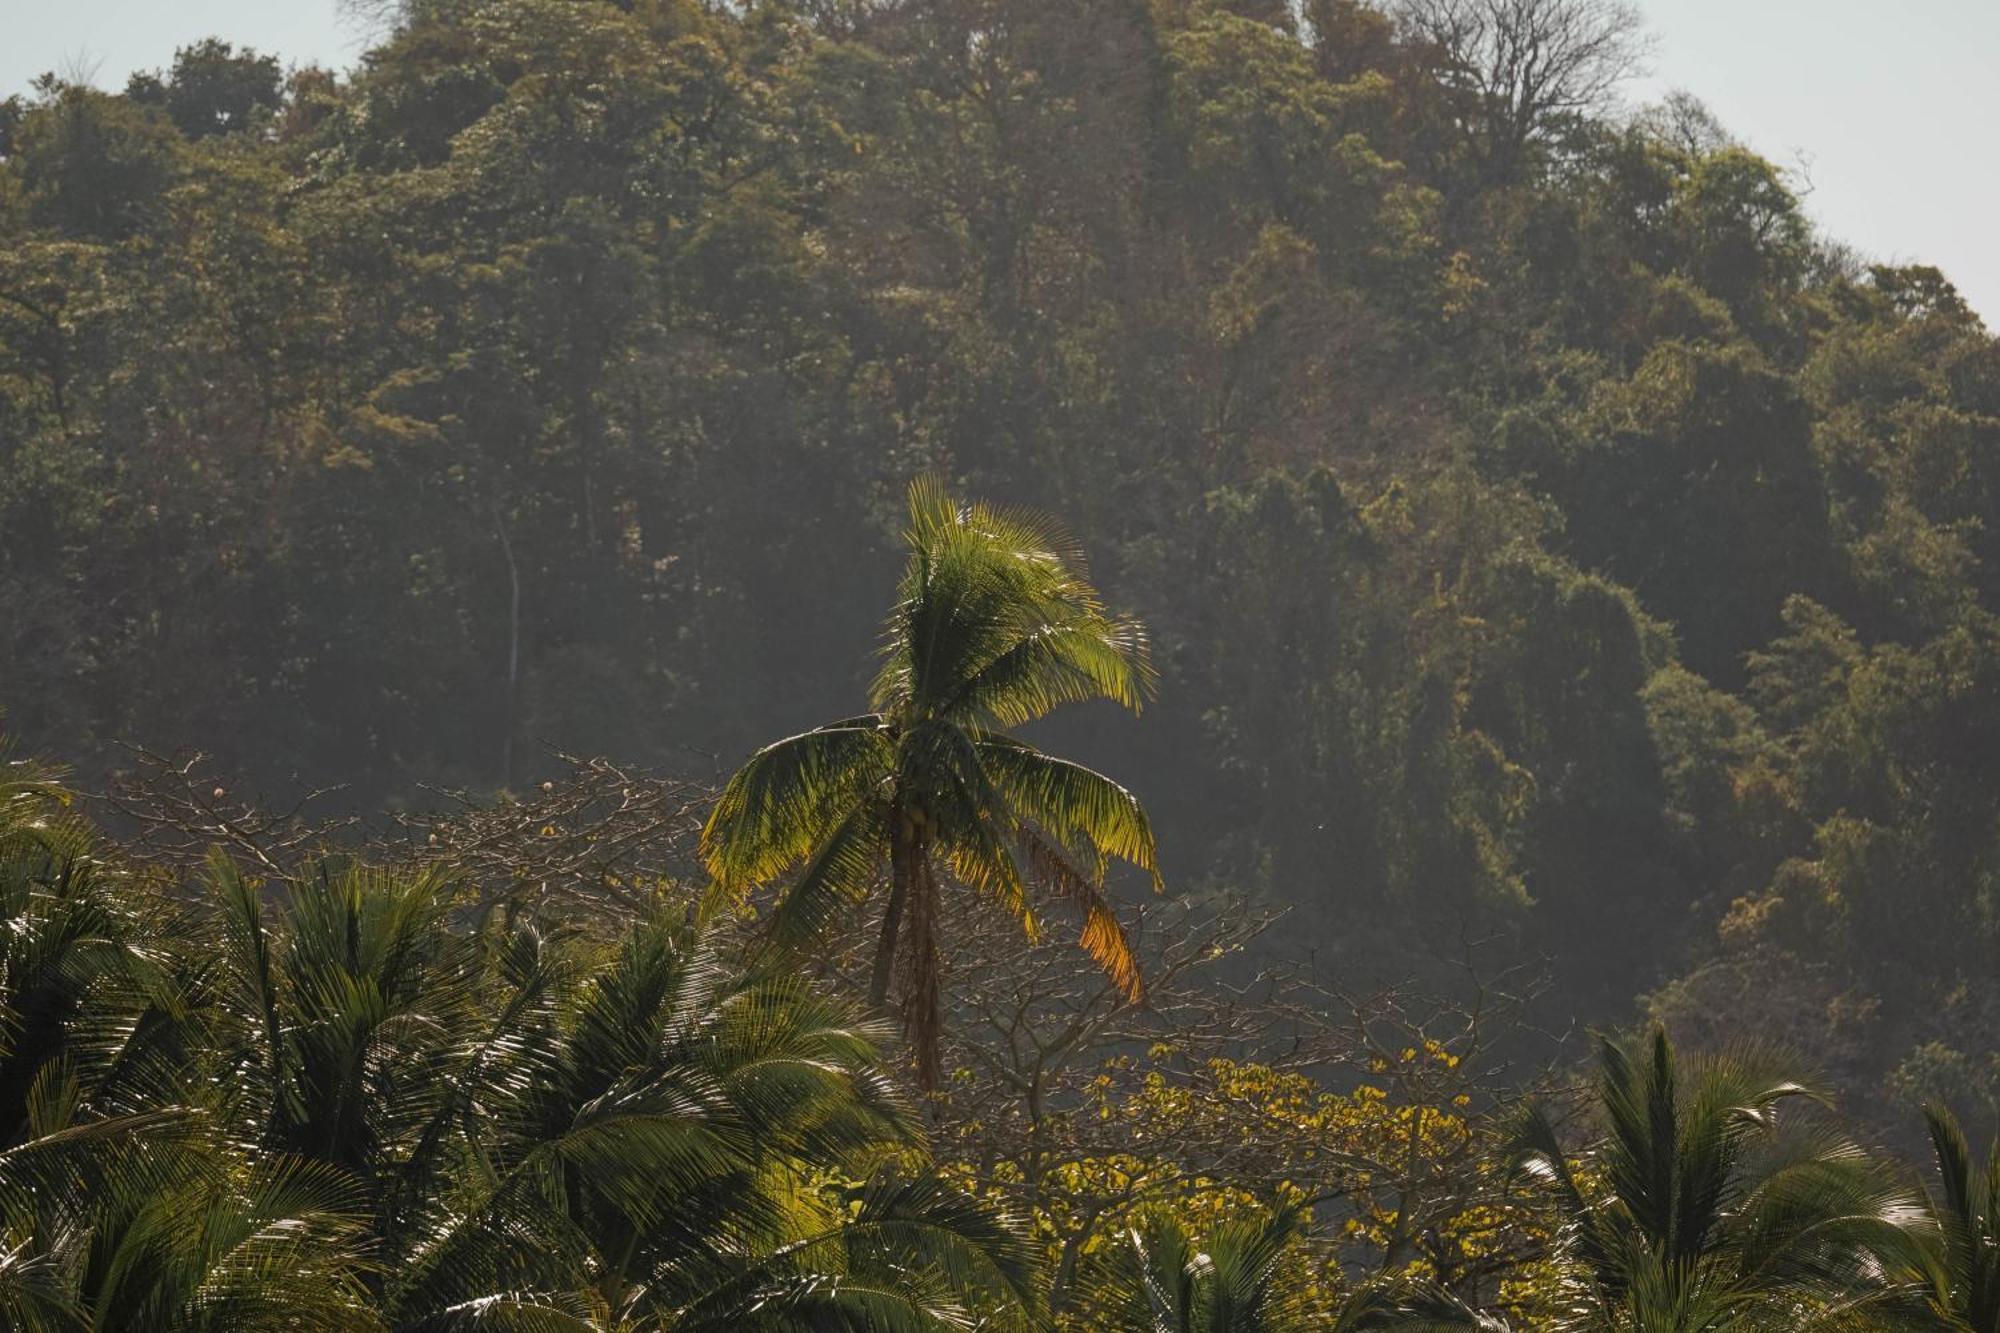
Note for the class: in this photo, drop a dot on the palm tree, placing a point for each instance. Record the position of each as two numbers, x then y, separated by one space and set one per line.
1951 1264
73 960
994 626
1160 1279
351 1100
543 1134
150 1220
1706 1205
123 1202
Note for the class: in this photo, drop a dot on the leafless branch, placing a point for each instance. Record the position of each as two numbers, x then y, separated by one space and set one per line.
1518 65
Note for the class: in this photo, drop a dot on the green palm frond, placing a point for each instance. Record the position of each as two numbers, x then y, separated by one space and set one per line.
622 1014
949 1260
285 1251
923 1221
1160 1279
801 1067
994 625
373 983
1711 1206
78 963
1067 657
1949 1259
62 1174
995 618
494 1070
790 795
1077 806
250 970
519 1312
837 877
833 1303
968 817
35 1292
1398 1306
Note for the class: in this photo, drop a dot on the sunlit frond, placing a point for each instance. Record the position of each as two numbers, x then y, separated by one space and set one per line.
789 795
1077 806
1054 664
915 1254
837 876
1103 935
1948 1258
995 618
1708 1204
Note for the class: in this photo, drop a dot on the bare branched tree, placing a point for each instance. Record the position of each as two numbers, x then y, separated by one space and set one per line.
1079 1108
373 20
174 809
1683 121
1520 65
600 841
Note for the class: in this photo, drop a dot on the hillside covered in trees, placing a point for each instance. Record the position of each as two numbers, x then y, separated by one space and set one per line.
1552 547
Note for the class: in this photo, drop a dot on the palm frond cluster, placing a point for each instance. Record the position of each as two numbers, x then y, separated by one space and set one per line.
1721 1198
995 624
343 1101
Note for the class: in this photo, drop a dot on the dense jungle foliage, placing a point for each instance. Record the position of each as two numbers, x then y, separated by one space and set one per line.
496 1071
1553 553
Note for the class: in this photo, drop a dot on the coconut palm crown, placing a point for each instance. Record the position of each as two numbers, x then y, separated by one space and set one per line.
1951 1261
1707 1206
1160 1278
995 625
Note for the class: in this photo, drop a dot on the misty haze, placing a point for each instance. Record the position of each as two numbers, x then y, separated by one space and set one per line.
891 666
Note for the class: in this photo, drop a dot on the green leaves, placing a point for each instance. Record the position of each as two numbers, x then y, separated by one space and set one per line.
1949 1264
912 1253
995 623
790 796
1705 1206
994 626
1160 1278
332 1104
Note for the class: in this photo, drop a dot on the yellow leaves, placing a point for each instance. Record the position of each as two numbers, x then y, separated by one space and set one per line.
1244 1103
1370 1155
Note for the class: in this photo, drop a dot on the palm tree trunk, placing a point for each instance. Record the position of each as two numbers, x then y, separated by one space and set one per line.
923 1015
903 853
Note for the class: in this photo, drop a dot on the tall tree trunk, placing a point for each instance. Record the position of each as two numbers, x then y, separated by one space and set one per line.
903 853
513 646
923 1012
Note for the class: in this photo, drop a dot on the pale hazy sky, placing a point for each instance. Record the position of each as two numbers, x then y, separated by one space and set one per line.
1889 109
